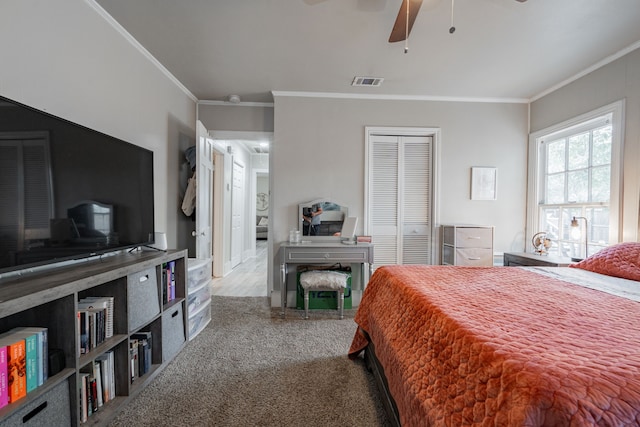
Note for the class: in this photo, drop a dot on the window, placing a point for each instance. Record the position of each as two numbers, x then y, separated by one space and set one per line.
576 169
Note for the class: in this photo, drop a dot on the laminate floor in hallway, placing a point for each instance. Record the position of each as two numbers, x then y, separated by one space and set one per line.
248 279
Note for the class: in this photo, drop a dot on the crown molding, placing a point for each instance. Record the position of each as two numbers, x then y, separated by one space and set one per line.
609 59
398 97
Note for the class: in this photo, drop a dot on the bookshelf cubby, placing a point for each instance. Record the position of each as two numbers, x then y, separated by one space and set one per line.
50 299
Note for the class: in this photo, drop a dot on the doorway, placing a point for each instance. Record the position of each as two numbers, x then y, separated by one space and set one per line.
244 198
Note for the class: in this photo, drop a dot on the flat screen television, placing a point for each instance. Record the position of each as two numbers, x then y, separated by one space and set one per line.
68 192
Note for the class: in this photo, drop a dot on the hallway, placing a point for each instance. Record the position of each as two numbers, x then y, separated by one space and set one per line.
248 279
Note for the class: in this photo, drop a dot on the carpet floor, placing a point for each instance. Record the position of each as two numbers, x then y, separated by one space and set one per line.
249 367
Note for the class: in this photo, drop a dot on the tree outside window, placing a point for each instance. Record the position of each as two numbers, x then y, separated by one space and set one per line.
575 181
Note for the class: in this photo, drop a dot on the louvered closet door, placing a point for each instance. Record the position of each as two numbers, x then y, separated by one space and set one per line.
400 198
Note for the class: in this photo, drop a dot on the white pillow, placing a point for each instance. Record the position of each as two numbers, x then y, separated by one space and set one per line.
263 221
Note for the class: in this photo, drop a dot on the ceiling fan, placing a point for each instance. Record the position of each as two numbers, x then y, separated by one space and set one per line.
407 16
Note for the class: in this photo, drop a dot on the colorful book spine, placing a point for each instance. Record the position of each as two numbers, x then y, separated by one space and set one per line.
42 335
16 364
4 383
31 360
36 354
172 269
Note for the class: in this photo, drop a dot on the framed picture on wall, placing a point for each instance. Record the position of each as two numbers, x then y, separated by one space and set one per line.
484 183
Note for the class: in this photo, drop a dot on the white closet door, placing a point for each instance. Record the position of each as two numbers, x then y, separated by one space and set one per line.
415 186
383 209
400 207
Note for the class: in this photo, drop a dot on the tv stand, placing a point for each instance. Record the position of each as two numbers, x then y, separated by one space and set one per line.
50 299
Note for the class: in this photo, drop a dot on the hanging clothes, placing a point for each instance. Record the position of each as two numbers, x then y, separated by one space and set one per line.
189 201
190 155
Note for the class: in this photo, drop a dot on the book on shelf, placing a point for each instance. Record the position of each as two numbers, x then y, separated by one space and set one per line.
107 377
42 350
84 398
16 366
4 381
30 367
91 329
172 270
94 394
97 373
91 394
144 351
169 281
105 303
133 357
83 332
23 362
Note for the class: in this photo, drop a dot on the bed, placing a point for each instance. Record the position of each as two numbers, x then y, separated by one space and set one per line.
507 346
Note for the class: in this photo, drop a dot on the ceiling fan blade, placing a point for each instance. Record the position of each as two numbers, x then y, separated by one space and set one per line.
399 31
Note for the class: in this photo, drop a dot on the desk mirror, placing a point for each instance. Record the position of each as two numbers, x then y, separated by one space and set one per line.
321 217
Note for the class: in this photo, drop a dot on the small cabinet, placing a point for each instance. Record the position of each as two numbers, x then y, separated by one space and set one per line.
467 245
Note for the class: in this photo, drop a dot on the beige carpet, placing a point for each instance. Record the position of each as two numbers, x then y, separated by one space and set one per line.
249 367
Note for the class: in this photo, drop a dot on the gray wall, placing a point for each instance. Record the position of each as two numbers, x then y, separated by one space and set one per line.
242 117
319 148
64 58
615 81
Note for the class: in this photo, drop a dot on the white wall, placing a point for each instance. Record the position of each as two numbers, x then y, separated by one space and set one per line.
63 57
615 81
319 146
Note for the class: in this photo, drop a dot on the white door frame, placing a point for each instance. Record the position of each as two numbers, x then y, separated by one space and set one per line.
221 195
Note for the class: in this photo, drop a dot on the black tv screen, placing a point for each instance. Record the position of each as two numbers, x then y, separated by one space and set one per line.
68 192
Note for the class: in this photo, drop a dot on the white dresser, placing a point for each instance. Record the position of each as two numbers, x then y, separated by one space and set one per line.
467 244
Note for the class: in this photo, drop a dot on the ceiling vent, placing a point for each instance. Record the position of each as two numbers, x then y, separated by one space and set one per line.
367 81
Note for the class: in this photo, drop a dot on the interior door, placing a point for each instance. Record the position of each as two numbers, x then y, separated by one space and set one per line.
237 213
400 207
204 180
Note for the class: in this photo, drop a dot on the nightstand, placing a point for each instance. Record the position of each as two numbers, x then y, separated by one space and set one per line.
516 259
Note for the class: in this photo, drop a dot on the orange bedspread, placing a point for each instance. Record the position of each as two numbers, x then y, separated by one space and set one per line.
502 347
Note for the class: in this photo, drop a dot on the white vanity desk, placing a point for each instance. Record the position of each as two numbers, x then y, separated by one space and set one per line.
323 253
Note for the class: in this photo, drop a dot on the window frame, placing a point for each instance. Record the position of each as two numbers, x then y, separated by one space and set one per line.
535 186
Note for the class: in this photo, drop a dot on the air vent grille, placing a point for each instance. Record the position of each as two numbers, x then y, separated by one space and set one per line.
367 81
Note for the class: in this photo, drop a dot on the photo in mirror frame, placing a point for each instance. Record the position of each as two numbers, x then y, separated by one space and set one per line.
322 218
